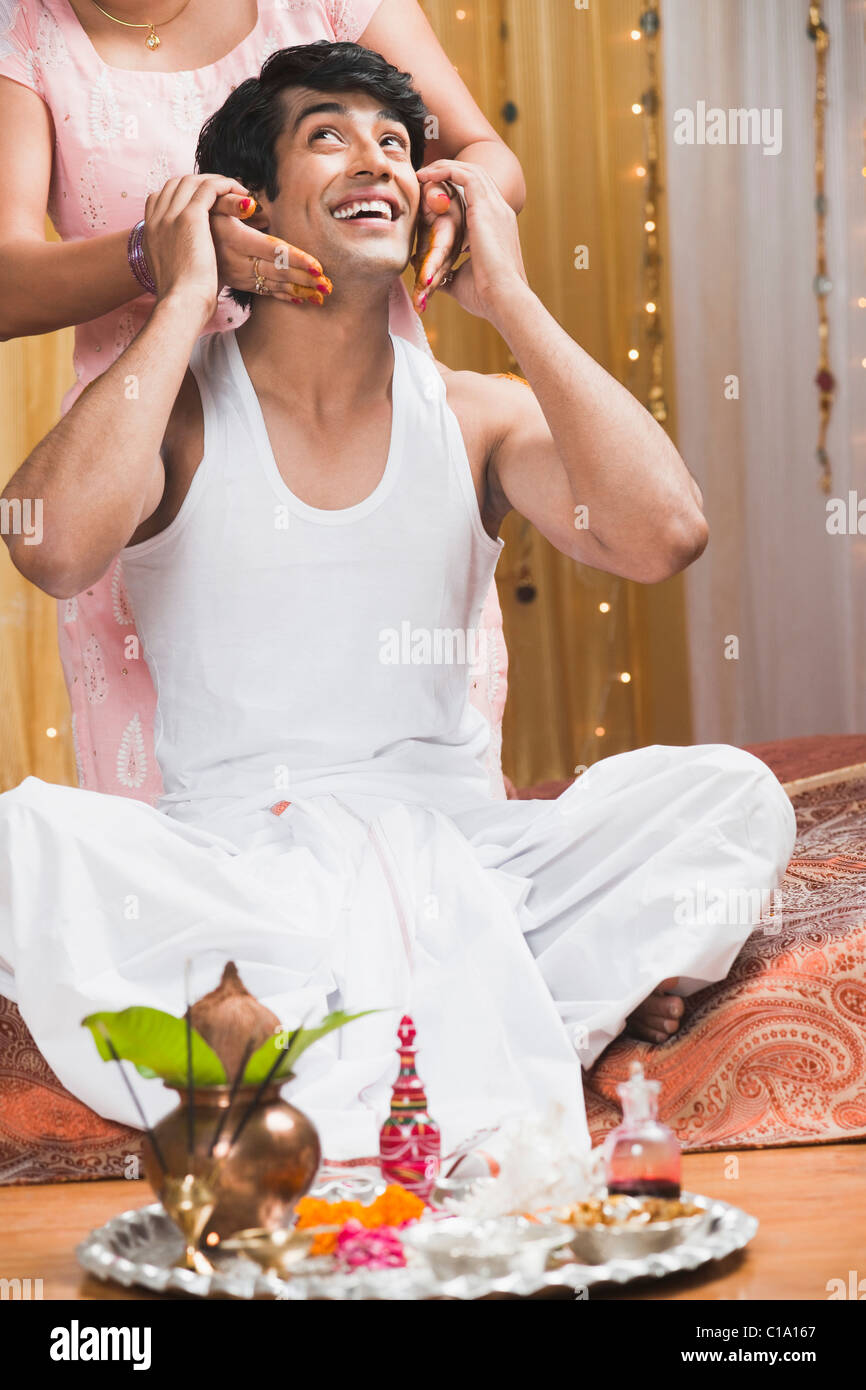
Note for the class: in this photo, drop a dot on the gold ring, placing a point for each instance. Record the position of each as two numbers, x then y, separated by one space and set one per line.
260 285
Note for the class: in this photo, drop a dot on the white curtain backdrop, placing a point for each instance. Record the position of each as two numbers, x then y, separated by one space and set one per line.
742 254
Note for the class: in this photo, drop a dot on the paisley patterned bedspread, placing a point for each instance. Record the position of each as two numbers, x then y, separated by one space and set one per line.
776 1053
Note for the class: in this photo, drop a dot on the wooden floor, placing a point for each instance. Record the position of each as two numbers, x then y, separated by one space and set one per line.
811 1203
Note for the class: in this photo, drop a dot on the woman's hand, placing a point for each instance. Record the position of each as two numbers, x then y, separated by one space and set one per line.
177 238
495 267
288 273
440 240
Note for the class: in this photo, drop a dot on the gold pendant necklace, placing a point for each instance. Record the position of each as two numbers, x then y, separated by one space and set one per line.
153 40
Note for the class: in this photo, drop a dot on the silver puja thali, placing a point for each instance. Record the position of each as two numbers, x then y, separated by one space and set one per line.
449 1258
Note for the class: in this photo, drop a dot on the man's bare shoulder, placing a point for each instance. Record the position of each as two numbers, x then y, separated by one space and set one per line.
486 407
492 385
485 403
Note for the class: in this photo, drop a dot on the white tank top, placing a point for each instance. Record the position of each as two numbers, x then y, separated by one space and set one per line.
297 651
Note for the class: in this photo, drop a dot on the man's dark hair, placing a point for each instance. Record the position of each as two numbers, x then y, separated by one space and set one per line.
239 140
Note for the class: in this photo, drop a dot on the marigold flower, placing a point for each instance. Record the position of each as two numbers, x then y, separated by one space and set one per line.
396 1206
393 1208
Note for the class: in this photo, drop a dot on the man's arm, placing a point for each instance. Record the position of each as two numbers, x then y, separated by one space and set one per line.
577 455
99 473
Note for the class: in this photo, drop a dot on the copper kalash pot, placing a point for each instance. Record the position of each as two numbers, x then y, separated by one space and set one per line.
248 1155
255 1181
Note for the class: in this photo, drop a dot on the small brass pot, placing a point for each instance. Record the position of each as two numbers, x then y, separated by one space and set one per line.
256 1181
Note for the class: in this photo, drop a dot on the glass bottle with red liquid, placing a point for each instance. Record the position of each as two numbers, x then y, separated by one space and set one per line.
410 1147
641 1156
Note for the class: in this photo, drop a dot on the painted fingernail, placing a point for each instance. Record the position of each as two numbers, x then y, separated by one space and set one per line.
297 301
248 206
423 304
324 285
429 280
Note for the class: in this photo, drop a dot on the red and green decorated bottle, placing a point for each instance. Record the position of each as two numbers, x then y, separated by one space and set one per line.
410 1147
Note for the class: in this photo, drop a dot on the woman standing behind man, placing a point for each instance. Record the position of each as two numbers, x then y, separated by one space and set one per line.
101 106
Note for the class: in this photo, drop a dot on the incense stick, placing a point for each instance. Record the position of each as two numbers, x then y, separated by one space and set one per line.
190 1114
136 1102
224 1114
264 1084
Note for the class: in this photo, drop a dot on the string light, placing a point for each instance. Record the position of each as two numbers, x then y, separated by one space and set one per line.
649 26
822 284
616 678
614 609
650 329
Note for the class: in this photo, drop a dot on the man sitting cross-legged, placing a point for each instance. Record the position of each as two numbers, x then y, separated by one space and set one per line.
308 511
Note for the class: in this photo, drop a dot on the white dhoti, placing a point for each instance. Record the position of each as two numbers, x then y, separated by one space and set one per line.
519 935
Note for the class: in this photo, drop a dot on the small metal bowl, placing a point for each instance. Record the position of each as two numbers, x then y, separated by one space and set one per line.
628 1240
457 1189
276 1252
458 1245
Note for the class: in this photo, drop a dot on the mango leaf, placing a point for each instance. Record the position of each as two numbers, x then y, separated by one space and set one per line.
156 1043
292 1044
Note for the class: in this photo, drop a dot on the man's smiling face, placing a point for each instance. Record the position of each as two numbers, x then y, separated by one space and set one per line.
348 191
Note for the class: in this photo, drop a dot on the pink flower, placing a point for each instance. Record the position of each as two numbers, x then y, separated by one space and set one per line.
379 1248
